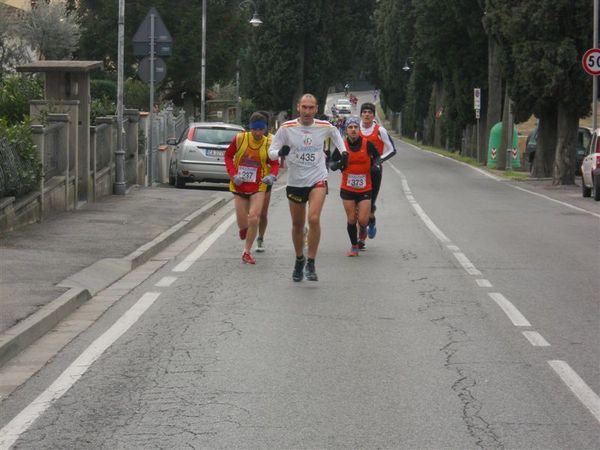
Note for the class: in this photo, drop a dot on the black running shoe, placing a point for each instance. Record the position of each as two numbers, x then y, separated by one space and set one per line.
310 273
298 273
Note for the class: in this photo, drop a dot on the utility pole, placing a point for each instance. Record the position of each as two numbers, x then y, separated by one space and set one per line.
119 184
203 66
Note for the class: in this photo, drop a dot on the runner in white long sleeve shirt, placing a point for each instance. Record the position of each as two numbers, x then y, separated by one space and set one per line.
301 141
379 136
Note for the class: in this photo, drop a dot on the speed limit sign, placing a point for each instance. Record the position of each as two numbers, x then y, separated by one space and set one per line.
591 61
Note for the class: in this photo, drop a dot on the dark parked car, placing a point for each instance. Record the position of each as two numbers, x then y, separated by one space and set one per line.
584 136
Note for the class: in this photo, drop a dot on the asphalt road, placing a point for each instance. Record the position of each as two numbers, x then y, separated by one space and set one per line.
471 321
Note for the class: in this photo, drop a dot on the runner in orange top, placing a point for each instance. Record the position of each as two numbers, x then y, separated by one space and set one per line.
251 171
357 165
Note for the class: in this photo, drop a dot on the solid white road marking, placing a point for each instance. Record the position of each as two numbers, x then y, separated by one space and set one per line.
13 430
581 390
510 310
520 188
424 217
467 265
204 245
536 339
453 248
166 281
483 283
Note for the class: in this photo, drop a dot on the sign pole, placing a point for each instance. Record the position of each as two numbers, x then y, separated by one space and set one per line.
203 66
119 187
594 81
151 110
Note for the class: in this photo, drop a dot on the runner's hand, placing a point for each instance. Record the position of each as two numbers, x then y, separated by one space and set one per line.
284 151
344 161
237 180
269 179
375 169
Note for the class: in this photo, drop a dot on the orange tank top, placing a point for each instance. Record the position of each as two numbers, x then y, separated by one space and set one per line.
357 176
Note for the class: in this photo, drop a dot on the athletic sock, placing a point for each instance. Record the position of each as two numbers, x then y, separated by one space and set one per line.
352 230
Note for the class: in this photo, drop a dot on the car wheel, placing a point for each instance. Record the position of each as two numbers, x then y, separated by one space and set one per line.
585 191
171 176
179 182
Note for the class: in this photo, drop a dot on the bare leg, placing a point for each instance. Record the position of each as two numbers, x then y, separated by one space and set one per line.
242 206
364 210
262 226
316 200
298 213
256 204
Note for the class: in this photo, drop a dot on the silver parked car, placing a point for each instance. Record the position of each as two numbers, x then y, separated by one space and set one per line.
199 155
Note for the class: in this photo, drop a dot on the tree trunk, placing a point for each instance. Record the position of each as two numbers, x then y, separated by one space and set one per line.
494 98
300 86
543 162
504 144
564 161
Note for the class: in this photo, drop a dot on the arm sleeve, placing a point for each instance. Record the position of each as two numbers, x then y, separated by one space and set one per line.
229 154
336 139
373 153
277 143
388 146
274 163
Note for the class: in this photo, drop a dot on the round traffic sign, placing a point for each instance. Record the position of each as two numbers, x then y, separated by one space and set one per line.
591 61
160 69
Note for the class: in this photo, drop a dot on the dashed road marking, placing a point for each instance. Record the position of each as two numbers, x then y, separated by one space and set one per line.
467 265
204 245
581 390
510 310
166 281
483 283
13 430
536 339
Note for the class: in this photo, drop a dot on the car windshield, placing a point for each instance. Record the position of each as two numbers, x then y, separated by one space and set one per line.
215 136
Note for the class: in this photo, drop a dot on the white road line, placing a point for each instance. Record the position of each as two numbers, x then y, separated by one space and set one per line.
483 283
453 248
581 390
520 188
424 217
510 310
555 201
204 245
536 339
166 281
467 265
13 430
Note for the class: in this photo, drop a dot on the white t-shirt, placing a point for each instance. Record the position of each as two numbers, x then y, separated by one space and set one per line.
306 160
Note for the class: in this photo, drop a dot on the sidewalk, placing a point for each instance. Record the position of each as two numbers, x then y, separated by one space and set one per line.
47 270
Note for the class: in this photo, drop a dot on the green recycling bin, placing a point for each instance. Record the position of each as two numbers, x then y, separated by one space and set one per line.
494 147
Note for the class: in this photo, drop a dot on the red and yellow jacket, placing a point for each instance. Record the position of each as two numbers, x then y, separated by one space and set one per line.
249 158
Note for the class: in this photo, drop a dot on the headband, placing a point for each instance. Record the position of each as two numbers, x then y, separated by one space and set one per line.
260 124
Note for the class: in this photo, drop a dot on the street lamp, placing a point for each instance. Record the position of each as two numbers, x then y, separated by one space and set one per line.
255 21
407 63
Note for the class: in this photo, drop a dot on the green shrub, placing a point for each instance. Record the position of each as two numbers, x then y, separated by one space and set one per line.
103 89
15 93
101 107
136 95
20 167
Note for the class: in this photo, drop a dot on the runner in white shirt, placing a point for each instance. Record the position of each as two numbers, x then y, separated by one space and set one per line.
301 141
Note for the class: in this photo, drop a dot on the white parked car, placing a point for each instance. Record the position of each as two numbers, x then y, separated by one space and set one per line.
590 168
344 107
199 153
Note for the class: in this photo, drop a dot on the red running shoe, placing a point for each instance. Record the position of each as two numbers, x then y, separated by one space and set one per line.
353 251
247 258
243 233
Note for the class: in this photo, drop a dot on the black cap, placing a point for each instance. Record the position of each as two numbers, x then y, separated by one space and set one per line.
369 106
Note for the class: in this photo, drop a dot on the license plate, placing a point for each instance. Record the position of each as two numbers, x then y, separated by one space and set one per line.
214 152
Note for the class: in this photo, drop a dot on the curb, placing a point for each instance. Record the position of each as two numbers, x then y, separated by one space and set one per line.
86 283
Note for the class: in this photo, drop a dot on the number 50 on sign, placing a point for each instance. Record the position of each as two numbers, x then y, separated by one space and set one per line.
591 61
